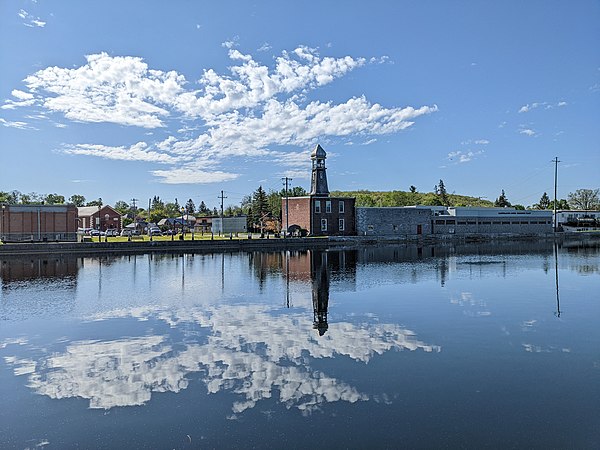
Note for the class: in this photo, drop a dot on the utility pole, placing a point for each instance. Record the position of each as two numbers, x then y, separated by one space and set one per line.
287 224
222 197
134 208
555 161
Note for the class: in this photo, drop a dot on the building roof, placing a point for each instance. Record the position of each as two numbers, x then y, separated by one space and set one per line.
318 152
87 211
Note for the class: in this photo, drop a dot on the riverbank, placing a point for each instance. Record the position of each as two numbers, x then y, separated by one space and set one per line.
249 245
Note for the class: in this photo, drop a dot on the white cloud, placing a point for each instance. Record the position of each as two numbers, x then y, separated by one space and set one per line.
10 124
248 113
460 157
546 105
265 47
482 142
528 132
119 90
31 21
189 175
136 152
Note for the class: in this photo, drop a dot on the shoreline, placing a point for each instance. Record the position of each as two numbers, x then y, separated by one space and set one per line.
248 245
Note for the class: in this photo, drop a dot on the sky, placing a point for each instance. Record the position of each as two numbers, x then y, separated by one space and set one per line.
185 99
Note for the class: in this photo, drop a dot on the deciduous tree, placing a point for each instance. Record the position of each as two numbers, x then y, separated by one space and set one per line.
586 199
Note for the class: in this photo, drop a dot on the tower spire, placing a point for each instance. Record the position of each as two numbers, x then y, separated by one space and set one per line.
318 185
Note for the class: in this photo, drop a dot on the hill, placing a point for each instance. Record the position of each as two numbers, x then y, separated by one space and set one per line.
403 198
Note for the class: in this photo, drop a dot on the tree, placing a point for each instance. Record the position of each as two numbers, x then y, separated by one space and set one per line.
54 199
157 203
560 204
413 189
215 212
202 209
502 201
586 199
190 207
77 200
121 207
544 202
440 190
11 198
95 202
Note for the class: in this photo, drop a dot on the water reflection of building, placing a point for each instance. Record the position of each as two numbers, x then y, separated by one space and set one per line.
320 290
25 269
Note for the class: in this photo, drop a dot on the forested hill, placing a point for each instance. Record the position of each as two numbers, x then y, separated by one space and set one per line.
402 198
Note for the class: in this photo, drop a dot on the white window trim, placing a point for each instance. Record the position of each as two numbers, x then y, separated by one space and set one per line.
342 224
341 207
328 206
317 206
323 224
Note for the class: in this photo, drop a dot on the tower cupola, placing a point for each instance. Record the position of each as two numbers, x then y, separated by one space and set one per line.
318 185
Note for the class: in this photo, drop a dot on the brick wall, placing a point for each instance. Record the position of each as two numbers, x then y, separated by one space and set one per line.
38 223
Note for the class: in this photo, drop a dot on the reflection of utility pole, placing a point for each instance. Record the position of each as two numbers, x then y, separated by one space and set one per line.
287 224
557 313
556 161
287 278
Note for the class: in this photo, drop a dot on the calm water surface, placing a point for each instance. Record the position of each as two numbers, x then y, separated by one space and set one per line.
467 346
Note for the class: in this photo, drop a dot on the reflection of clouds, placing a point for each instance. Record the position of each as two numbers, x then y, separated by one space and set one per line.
472 307
250 352
532 348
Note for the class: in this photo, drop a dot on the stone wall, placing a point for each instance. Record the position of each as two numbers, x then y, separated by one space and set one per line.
393 221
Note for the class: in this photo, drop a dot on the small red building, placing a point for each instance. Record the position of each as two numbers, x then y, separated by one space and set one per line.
318 213
100 218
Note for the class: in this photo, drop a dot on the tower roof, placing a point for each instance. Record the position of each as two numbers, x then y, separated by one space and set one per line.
318 152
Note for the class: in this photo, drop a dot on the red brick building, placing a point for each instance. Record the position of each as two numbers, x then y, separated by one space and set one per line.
38 223
103 218
319 213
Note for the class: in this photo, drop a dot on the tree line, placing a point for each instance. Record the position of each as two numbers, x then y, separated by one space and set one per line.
263 209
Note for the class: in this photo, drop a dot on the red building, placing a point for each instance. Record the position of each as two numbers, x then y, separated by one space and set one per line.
38 223
319 213
100 218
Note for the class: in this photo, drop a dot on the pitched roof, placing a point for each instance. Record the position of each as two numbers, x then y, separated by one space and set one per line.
318 152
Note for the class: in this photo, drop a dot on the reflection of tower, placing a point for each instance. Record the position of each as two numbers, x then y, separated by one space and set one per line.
320 290
318 185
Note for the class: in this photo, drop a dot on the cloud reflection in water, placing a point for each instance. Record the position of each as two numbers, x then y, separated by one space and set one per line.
250 351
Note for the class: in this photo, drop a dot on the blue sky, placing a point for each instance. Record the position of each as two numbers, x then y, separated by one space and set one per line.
183 99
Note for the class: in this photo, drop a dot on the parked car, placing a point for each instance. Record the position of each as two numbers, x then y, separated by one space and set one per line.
112 232
95 233
169 232
154 231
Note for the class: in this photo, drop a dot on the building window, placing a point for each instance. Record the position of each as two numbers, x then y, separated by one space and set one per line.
450 222
440 222
342 224
317 206
342 207
395 227
328 206
370 227
323 224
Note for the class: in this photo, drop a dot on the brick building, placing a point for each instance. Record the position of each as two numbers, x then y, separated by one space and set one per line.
38 223
103 218
318 213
